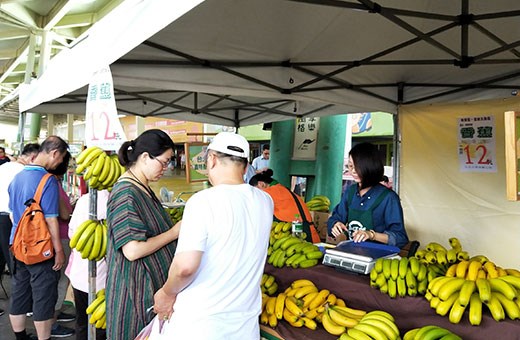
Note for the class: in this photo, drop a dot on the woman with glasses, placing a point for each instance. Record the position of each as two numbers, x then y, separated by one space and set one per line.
142 239
368 211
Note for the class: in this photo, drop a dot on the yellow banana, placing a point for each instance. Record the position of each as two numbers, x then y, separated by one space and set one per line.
278 227
269 282
495 307
264 318
451 255
423 272
77 234
279 305
414 264
512 280
462 268
501 271
90 171
437 283
475 310
484 289
491 270
455 243
434 333
288 316
331 299
351 312
411 281
358 335
389 331
422 287
381 313
98 313
292 306
309 323
503 287
451 286
434 247
101 321
340 303
319 299
466 291
430 257
513 272
308 298
452 270
401 287
104 243
403 267
105 170
456 312
441 257
372 331
85 252
270 305
444 306
378 266
330 326
289 242
273 321
97 301
480 258
98 164
394 268
392 288
303 291
98 242
462 255
86 235
410 335
510 307
387 270
342 319
382 319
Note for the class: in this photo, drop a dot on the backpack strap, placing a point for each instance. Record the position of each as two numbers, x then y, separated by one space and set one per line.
39 189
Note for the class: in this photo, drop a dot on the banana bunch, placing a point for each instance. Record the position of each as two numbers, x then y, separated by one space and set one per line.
319 203
294 252
376 324
101 171
268 284
279 230
97 309
302 304
476 267
175 213
401 277
436 253
454 295
91 239
430 332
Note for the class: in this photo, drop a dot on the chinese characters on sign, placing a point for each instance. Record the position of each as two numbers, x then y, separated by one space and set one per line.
477 144
103 127
306 138
196 169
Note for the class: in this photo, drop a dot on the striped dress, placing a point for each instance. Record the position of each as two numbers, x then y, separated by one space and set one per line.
131 285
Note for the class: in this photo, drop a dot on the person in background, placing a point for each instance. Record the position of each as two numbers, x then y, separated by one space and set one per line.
368 211
386 182
286 203
261 163
77 269
214 281
65 211
34 288
7 172
250 172
4 158
142 239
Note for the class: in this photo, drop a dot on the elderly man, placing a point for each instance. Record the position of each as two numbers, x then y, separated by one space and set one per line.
213 286
34 287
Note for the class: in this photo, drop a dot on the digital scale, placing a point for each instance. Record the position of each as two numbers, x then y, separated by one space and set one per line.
358 257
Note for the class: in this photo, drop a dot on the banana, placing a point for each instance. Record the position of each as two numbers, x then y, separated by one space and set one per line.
104 243
434 302
279 242
85 236
101 321
510 307
291 259
484 289
387 270
349 312
264 318
410 335
441 257
444 306
308 263
273 321
319 299
414 265
90 170
374 274
98 164
430 257
423 330
403 267
269 281
92 307
466 291
342 319
503 287
292 240
330 326
270 305
392 288
85 252
435 247
450 287
455 243
495 307
462 268
358 335
93 182
273 289
436 284
309 323
279 304
456 312
512 272
475 310
314 255
451 255
308 298
401 287
305 290
382 319
81 157
278 227
491 270
292 306
411 281
480 258
373 331
422 287
378 266
92 155
434 333
300 259
340 303
98 242
295 248
77 234
462 255
98 313
380 313
501 271
512 280
390 332
309 248
280 261
331 299
452 270
394 268
105 170
423 272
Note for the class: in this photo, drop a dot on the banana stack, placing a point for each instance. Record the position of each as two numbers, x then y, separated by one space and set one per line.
175 213
97 310
435 254
430 332
319 203
471 288
401 277
279 230
294 252
91 239
99 170
376 324
268 285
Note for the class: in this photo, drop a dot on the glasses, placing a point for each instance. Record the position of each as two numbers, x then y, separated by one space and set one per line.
163 163
351 168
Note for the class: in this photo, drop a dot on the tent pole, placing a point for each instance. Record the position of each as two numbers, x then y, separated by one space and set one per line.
396 159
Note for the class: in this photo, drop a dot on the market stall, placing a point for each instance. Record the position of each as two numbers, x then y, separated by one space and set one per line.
409 312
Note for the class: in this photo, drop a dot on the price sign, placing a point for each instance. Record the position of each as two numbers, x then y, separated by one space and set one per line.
103 127
477 140
306 138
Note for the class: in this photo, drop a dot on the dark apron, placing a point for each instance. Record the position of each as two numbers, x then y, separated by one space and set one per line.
361 219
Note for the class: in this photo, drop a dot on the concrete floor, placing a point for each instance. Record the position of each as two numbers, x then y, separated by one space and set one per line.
173 180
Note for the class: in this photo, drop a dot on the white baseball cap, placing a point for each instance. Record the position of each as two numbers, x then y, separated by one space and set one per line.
231 144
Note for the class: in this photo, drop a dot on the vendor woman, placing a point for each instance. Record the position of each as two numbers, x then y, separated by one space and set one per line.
368 211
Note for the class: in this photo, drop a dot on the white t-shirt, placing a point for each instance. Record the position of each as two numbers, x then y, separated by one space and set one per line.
77 268
230 224
7 172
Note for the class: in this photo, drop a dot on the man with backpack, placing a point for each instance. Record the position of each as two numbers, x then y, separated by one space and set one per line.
34 286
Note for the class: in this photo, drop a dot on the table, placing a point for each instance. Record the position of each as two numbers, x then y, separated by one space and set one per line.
409 312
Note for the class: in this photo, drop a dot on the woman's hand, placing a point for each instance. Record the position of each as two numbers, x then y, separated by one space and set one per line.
338 229
362 235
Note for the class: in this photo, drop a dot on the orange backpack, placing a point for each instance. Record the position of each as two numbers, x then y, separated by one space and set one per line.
32 241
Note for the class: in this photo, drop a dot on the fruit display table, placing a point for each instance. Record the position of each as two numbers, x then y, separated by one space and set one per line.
409 312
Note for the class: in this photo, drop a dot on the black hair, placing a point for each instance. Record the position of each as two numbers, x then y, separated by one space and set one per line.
385 179
368 164
2 148
154 142
265 176
265 147
30 148
61 169
52 143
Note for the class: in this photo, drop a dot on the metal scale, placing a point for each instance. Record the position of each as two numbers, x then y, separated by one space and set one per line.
358 257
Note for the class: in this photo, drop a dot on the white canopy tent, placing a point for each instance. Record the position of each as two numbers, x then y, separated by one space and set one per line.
241 62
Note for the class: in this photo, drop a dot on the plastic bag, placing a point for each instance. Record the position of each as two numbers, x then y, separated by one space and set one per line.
155 326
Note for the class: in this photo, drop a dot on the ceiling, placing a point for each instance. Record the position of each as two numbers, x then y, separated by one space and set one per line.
353 55
53 26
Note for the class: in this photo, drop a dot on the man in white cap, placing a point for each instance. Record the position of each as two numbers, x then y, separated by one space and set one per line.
213 286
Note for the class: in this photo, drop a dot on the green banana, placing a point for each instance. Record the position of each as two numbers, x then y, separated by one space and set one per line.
403 267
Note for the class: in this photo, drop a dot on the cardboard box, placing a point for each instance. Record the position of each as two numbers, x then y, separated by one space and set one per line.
320 221
336 240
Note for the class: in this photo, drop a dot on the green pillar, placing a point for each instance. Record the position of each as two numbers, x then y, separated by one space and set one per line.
35 122
282 136
329 158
